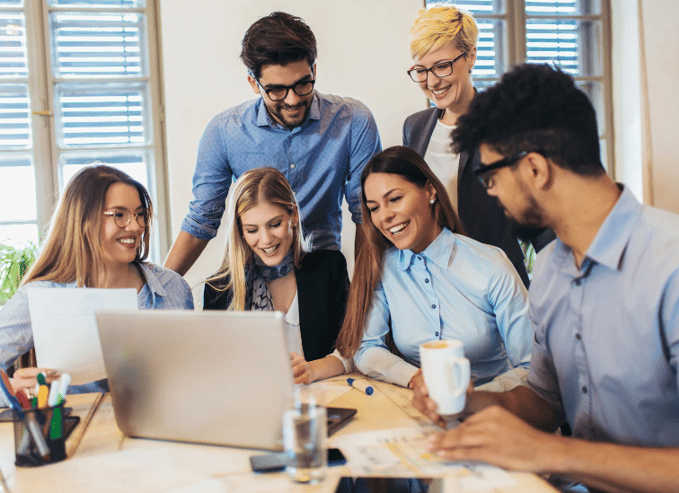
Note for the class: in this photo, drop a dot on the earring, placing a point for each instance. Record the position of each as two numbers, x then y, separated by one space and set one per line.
431 201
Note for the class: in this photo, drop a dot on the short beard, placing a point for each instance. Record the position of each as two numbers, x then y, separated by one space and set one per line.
531 223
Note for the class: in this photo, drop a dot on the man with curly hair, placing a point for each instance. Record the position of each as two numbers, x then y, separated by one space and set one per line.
604 300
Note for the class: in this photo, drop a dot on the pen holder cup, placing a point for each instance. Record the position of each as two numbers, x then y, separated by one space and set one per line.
40 437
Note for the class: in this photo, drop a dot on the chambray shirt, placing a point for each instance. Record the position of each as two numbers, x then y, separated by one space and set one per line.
164 289
322 160
607 334
457 288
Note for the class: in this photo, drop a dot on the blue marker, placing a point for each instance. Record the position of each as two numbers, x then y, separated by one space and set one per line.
360 385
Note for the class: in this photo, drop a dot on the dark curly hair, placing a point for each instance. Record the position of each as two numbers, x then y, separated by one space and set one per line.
277 39
534 107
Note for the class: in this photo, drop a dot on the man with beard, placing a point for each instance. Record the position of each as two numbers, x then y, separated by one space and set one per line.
604 301
319 142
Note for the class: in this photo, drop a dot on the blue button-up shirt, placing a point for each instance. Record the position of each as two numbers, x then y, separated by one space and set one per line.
322 160
457 288
607 334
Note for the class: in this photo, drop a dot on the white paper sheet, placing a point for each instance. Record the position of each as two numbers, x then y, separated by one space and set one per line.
65 329
402 452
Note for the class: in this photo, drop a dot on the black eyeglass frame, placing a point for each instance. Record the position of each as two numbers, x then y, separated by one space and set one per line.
144 215
287 89
508 161
450 63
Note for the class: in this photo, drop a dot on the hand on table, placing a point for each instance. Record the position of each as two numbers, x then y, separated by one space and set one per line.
301 370
496 436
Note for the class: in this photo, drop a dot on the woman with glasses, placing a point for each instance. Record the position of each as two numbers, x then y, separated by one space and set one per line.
98 238
267 266
418 279
443 50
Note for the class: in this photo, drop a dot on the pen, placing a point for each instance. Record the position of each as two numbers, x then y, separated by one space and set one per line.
360 385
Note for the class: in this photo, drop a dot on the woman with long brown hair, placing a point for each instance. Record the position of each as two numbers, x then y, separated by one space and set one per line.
98 238
418 278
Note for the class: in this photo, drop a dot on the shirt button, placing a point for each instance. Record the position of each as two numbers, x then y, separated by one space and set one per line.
419 258
426 281
433 306
584 390
577 282
292 166
578 336
437 334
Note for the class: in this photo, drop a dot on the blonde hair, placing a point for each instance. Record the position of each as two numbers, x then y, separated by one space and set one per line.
436 27
256 186
72 250
410 166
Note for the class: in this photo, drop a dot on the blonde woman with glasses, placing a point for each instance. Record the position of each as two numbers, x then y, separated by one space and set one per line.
98 238
443 50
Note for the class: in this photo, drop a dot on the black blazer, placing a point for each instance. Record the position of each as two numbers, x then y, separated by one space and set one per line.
322 288
482 217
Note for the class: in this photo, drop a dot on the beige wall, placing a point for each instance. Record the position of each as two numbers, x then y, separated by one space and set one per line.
646 98
363 54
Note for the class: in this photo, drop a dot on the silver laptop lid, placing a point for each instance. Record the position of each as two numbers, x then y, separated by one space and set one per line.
212 377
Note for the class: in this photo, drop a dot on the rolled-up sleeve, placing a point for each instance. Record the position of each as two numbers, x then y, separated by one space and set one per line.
211 182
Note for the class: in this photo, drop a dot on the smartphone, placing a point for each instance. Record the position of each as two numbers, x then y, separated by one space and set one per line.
277 460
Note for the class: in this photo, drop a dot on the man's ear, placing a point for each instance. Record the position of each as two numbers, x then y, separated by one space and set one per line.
253 84
313 71
539 170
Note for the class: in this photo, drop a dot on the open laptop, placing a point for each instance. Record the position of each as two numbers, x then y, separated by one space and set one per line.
211 377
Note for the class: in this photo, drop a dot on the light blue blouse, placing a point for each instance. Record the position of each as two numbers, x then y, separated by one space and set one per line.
457 288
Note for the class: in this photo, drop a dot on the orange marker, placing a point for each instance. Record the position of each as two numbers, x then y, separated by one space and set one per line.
43 394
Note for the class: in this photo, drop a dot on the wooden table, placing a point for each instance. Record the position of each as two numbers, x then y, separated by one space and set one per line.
102 459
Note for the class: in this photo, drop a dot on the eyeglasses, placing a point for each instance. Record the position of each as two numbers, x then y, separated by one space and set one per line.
486 179
279 93
441 69
122 217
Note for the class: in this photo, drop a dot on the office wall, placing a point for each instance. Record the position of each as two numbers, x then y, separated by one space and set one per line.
362 53
645 102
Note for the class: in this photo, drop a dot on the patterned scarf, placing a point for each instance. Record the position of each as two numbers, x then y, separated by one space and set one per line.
257 277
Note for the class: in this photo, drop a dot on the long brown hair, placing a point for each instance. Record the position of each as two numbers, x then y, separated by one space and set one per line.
72 250
256 186
405 162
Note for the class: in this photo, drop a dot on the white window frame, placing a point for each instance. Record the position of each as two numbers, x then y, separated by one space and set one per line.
45 151
515 18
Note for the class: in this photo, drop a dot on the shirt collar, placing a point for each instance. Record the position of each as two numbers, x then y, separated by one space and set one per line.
615 232
265 120
439 252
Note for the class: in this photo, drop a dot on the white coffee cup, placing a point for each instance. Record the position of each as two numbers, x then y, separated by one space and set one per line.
446 373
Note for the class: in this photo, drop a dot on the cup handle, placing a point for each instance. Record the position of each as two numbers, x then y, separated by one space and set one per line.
457 370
